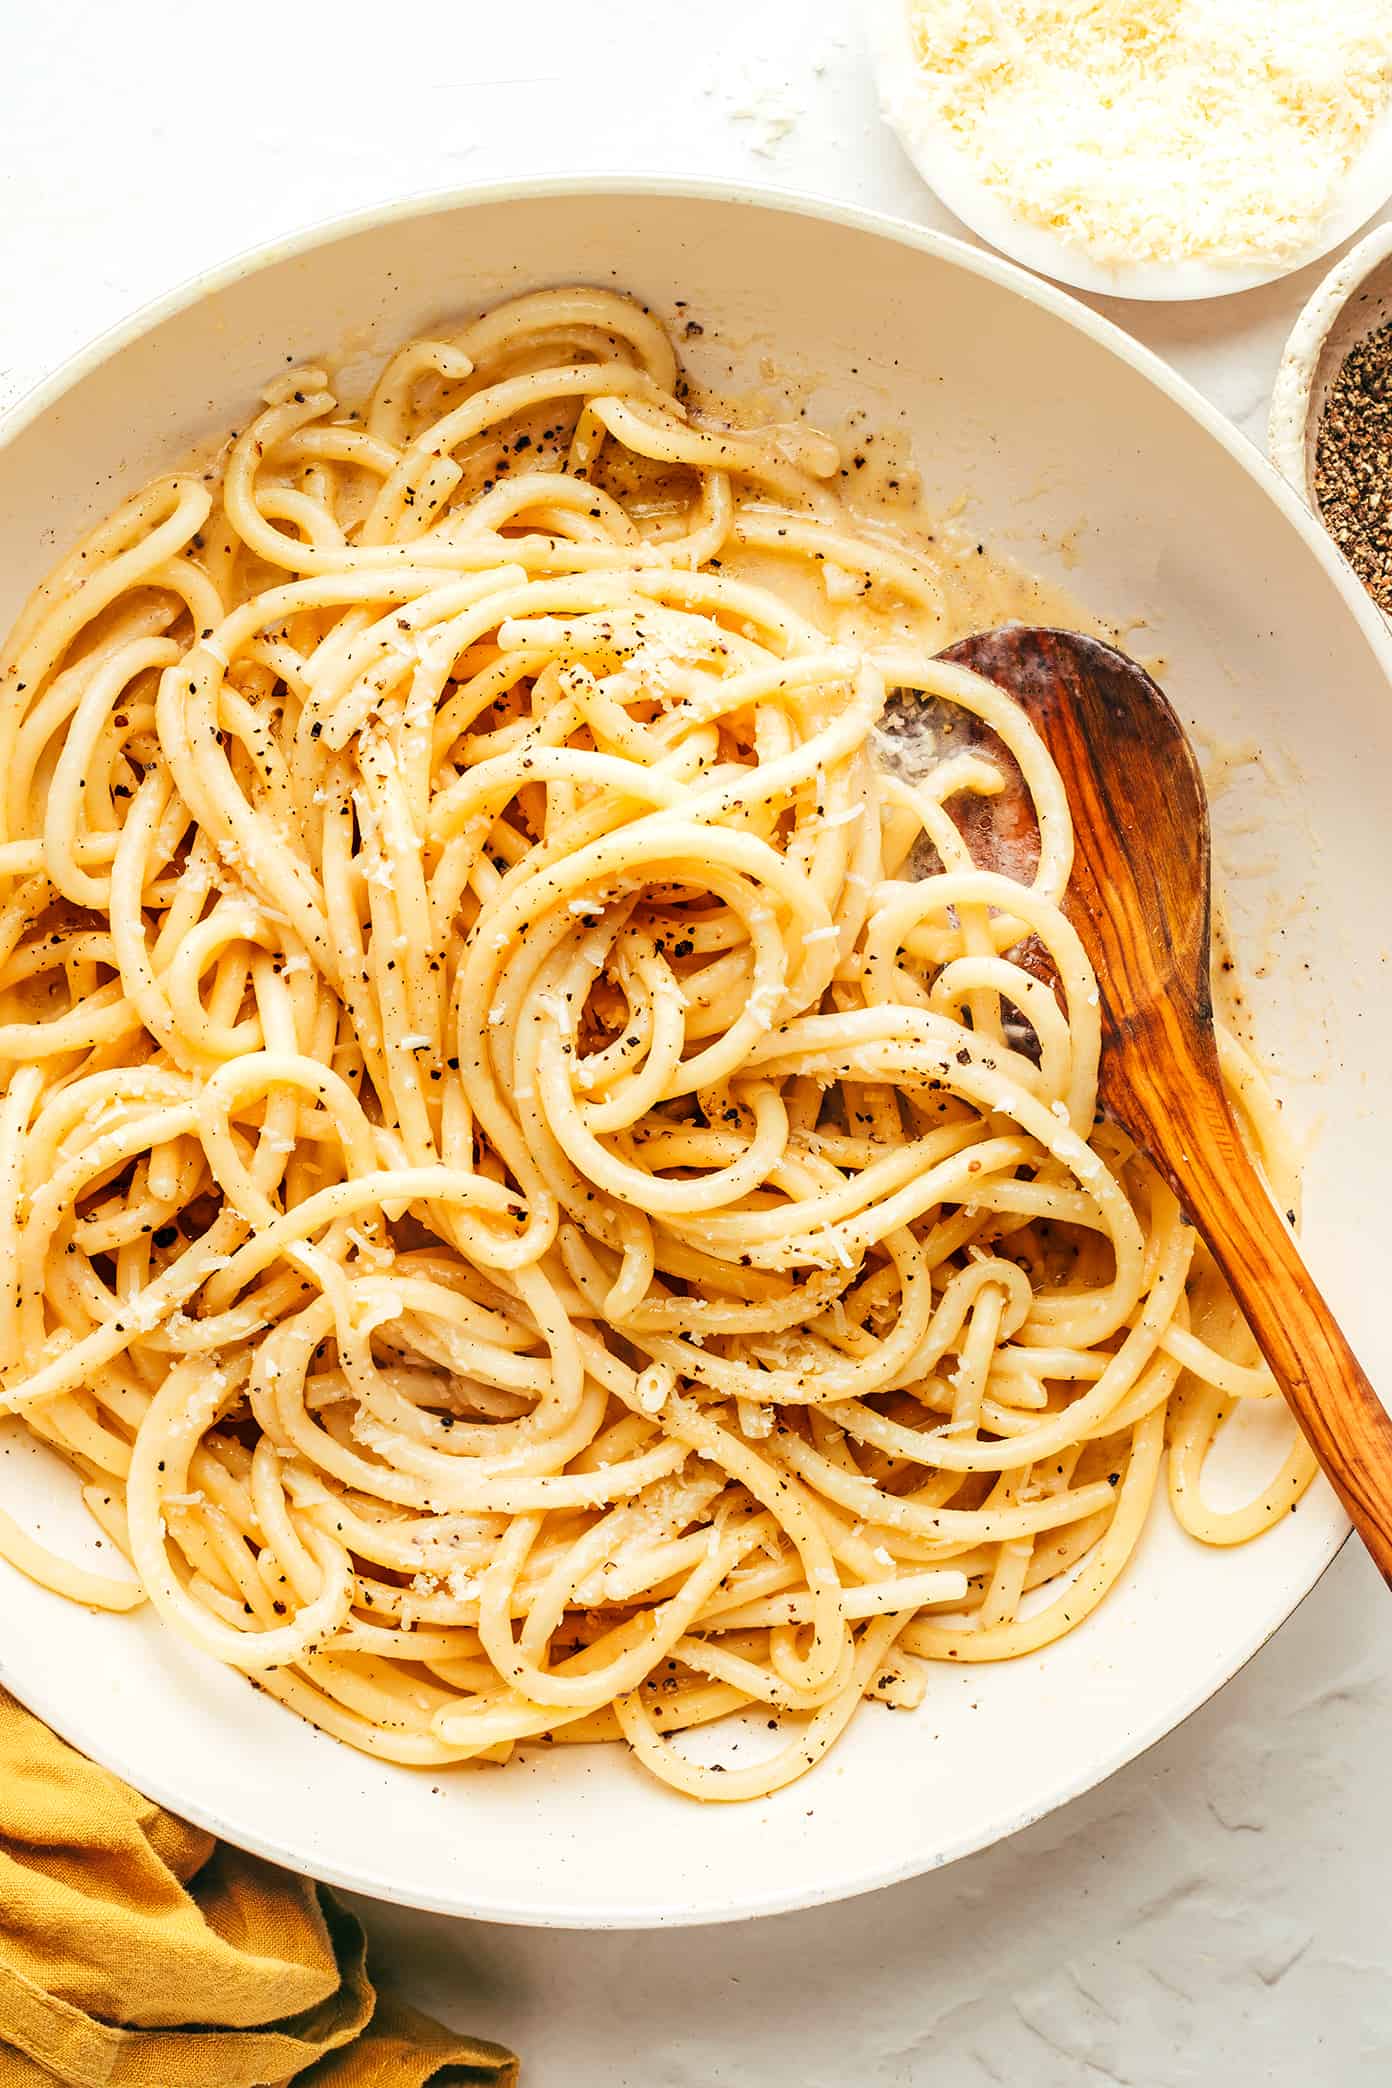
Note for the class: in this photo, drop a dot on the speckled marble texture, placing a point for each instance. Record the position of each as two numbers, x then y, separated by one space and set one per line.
1219 1913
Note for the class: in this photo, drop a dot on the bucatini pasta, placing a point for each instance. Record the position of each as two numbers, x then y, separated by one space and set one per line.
535 1191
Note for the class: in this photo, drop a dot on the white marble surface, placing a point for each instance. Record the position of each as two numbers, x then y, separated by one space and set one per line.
1221 1911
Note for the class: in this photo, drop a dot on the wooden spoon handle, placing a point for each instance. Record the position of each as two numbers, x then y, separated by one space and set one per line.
1181 1114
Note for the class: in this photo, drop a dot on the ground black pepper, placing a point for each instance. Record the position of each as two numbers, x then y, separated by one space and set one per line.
1353 462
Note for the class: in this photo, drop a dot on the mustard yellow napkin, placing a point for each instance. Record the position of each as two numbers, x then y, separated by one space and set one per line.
137 1952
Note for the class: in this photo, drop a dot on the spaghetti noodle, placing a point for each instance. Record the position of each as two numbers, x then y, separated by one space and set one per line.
528 1214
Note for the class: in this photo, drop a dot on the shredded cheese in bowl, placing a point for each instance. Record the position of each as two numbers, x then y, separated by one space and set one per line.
1160 131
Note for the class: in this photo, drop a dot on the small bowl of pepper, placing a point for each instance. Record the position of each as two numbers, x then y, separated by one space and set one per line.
1331 410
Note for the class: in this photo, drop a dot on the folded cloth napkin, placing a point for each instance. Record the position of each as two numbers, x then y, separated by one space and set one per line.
138 1952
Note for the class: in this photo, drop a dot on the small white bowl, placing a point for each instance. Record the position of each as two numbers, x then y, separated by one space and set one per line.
1353 300
908 109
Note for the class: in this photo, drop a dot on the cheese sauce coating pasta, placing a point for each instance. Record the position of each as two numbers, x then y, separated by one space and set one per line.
536 1190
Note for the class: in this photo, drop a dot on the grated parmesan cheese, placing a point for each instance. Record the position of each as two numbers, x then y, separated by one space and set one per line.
1160 130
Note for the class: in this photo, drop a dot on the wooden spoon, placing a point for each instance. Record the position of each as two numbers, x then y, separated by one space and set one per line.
1139 899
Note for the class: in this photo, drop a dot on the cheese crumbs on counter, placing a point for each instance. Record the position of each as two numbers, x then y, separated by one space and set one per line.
1160 130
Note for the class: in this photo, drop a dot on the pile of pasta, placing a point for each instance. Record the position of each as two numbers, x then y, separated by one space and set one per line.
536 1190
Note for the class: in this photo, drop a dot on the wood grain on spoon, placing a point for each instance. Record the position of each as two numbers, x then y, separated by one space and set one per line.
1139 898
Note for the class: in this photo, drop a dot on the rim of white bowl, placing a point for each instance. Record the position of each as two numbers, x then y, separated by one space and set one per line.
948 172
995 268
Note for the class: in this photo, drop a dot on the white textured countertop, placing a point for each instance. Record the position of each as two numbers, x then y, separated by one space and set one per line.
1221 1911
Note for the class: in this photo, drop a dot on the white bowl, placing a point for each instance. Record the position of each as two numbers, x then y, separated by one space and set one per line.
909 110
1353 299
1085 457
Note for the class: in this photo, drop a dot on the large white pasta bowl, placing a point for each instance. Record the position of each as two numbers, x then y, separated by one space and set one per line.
1081 456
